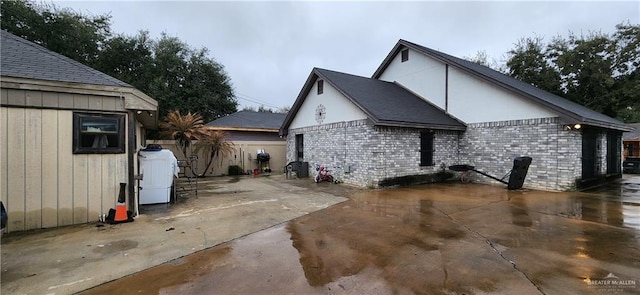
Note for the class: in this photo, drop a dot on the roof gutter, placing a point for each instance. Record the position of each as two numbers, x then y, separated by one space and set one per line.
227 128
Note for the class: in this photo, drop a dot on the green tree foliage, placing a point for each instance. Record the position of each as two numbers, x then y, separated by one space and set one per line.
215 145
599 71
167 69
529 63
187 128
74 35
263 109
183 129
482 58
129 59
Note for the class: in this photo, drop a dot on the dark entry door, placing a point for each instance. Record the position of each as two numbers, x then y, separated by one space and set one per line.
589 154
614 154
299 147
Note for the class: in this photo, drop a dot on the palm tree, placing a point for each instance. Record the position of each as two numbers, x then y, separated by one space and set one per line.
183 129
215 144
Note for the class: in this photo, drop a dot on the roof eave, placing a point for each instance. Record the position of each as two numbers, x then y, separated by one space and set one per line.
284 129
606 125
417 125
134 99
387 60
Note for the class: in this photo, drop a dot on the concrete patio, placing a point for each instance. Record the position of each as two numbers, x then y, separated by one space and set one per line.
74 258
434 239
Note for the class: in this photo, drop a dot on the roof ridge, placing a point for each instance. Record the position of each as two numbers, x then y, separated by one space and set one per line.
357 76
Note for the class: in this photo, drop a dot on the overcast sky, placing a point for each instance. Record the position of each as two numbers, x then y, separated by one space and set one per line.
269 48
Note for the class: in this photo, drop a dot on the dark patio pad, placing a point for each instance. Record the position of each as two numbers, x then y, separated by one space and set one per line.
432 239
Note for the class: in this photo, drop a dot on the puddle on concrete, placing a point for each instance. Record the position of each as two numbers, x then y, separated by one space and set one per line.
440 238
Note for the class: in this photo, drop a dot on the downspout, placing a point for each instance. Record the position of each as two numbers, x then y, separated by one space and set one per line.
558 127
446 88
131 148
344 163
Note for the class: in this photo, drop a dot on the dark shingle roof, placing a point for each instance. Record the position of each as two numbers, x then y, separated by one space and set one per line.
388 103
635 134
384 103
24 59
565 107
250 120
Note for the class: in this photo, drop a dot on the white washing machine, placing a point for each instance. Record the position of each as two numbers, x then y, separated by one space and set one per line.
158 169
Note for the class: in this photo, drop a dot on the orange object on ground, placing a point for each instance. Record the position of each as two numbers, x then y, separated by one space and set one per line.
121 206
121 212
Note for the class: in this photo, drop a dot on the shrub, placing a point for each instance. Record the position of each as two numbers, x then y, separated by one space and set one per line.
235 170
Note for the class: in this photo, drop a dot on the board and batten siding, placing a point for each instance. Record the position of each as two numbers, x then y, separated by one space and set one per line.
42 183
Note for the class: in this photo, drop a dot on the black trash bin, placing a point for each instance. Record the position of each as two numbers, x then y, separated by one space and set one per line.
519 172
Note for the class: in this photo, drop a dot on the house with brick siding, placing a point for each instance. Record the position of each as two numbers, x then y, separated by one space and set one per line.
423 110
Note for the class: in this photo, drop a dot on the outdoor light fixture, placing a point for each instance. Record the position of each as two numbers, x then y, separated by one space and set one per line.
577 126
138 112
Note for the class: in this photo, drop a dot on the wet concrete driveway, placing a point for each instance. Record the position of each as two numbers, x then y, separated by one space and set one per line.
434 239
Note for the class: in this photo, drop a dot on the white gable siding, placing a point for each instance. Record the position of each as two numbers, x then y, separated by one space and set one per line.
469 98
423 75
338 108
473 100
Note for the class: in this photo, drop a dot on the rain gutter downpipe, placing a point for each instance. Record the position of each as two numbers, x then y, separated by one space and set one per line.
446 88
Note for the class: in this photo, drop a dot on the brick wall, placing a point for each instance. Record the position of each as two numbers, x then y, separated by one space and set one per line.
371 153
556 151
374 153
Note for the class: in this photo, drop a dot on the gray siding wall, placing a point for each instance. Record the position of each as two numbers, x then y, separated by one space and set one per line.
556 152
42 183
371 153
55 100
